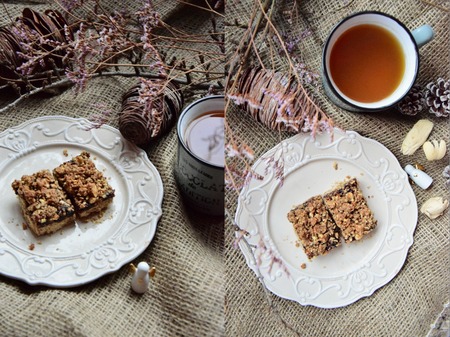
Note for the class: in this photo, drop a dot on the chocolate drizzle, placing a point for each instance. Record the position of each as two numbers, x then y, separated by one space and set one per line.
141 122
27 30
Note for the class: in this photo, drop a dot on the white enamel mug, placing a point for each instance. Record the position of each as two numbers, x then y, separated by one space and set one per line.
410 43
201 183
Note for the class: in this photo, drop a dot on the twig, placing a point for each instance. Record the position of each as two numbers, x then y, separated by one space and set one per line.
260 277
67 82
23 97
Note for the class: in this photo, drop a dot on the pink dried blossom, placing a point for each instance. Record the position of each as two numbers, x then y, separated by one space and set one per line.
70 5
103 115
243 151
271 255
241 100
277 167
149 18
149 92
81 50
307 76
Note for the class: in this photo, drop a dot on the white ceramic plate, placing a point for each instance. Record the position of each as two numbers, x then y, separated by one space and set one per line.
84 252
312 167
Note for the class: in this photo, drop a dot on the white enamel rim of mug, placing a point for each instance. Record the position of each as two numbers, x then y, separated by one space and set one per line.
192 111
404 36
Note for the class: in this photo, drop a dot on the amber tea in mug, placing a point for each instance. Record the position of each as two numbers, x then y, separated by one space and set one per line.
367 63
371 60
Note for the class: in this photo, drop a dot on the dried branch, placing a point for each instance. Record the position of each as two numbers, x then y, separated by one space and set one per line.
52 53
66 82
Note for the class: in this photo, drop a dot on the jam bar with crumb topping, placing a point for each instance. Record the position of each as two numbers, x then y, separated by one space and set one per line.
350 211
314 227
45 206
85 185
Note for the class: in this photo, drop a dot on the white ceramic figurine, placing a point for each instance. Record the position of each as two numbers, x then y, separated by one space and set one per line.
141 277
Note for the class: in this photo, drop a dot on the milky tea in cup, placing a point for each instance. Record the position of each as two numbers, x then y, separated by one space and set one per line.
371 61
199 167
204 136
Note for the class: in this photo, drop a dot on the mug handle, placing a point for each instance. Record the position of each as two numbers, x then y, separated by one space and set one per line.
423 35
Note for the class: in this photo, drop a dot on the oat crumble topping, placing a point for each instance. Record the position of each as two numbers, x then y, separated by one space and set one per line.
45 200
314 227
350 211
83 181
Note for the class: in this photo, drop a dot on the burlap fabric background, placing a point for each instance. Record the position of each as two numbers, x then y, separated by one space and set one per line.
411 302
186 295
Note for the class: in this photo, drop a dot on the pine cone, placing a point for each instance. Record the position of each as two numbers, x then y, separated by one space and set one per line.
446 174
413 102
437 97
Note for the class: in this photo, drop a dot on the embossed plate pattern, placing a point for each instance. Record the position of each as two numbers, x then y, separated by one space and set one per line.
312 167
84 252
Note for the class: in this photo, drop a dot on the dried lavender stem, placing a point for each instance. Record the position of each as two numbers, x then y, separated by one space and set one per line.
267 293
196 6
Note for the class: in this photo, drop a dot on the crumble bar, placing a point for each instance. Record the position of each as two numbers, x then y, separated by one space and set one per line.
85 185
314 227
350 211
44 204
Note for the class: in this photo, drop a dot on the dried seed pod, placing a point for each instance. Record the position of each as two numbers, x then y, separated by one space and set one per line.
434 150
434 207
416 136
24 39
143 118
413 103
278 100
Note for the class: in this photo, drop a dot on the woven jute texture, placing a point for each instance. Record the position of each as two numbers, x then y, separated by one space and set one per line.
185 298
412 301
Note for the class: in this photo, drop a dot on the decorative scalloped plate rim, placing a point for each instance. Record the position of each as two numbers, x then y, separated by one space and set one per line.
78 254
312 166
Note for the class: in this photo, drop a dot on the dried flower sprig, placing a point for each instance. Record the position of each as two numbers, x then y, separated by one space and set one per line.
54 53
261 249
237 168
278 99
